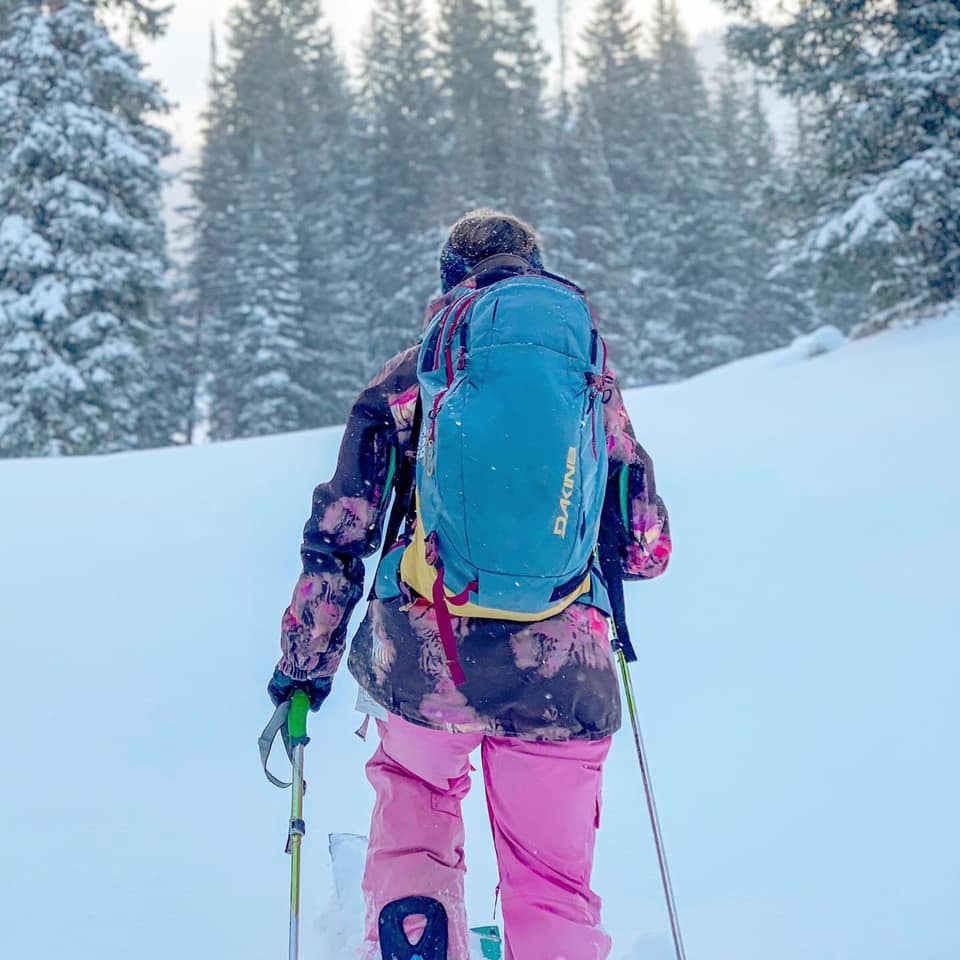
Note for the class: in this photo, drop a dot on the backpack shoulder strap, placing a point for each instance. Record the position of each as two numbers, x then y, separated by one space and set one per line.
403 505
403 510
499 261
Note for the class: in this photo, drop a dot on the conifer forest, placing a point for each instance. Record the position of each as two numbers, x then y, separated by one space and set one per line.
323 192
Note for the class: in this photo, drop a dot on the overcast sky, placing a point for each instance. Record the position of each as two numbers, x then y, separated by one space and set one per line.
180 59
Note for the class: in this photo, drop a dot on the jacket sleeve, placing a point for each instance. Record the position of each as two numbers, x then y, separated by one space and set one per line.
643 515
346 522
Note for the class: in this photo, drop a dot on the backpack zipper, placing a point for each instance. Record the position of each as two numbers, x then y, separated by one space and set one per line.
446 341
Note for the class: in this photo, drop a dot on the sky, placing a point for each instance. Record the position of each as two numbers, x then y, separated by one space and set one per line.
180 59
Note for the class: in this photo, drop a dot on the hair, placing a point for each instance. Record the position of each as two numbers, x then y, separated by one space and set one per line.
484 233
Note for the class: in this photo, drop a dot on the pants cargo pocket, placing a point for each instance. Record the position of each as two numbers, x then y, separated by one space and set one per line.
444 804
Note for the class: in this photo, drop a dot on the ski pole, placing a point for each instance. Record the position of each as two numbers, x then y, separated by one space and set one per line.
297 732
651 802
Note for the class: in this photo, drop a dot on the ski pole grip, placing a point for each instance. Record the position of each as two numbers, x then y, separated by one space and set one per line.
297 718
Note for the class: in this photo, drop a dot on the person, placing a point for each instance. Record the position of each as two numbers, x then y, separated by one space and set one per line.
540 699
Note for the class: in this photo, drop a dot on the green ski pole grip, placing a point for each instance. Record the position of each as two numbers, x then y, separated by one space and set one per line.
297 719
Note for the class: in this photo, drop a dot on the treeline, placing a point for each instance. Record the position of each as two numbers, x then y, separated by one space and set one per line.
321 198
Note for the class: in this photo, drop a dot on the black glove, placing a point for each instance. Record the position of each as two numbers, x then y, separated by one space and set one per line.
281 688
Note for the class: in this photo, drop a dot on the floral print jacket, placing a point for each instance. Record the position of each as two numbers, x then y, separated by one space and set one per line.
550 680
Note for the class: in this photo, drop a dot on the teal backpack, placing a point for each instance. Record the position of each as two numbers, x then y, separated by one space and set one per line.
512 458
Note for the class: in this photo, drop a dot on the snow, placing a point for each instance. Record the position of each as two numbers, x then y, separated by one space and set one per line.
21 246
797 683
822 340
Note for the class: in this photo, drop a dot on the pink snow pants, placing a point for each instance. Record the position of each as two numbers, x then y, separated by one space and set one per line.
544 805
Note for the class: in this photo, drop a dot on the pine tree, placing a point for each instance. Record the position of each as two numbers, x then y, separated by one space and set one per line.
328 190
210 270
765 306
474 96
274 227
522 124
614 98
145 17
837 294
886 119
617 78
271 365
689 205
403 146
590 239
260 333
400 103
82 245
744 156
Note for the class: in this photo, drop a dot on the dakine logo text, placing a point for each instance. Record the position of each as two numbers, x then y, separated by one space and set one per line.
569 484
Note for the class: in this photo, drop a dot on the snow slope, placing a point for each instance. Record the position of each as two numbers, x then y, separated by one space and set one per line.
798 683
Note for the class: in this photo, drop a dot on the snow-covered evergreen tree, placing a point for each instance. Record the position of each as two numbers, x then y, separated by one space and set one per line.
406 172
474 95
522 123
765 304
146 17
400 103
617 79
837 294
273 387
612 121
205 288
688 200
880 90
329 184
82 245
215 294
590 239
273 227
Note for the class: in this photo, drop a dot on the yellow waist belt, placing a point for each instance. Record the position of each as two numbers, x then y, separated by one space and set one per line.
421 576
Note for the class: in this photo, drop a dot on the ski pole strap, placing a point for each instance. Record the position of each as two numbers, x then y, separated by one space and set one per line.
290 721
277 724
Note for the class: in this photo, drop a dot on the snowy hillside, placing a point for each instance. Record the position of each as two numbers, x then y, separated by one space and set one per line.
798 683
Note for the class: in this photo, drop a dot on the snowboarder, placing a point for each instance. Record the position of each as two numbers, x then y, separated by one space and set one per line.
531 683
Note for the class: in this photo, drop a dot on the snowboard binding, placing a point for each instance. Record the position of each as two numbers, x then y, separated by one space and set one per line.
394 944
